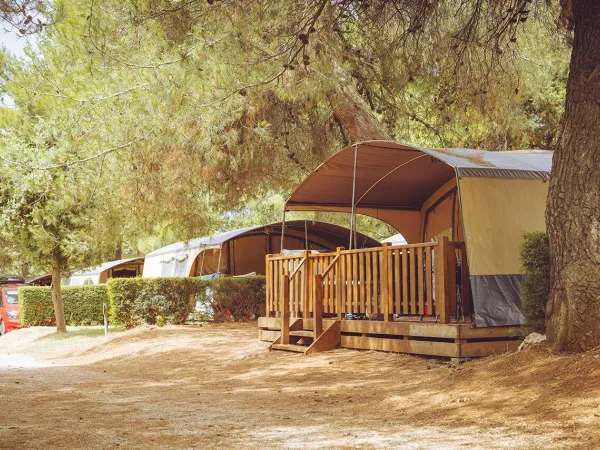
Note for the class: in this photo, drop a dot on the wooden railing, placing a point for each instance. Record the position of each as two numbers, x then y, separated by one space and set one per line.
416 279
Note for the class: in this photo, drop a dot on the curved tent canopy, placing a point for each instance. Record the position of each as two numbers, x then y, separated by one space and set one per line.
393 181
242 251
486 199
122 268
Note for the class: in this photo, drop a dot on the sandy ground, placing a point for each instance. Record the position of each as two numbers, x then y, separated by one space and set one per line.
217 386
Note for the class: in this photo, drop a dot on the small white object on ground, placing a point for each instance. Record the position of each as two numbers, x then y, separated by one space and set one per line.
532 339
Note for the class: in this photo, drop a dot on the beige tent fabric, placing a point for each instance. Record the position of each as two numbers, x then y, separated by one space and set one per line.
496 213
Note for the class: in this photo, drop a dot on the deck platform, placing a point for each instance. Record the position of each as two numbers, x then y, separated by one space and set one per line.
450 340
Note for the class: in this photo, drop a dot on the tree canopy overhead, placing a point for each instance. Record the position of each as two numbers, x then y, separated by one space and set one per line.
202 107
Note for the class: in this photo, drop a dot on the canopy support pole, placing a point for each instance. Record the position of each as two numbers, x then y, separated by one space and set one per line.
353 213
282 230
219 263
202 264
305 236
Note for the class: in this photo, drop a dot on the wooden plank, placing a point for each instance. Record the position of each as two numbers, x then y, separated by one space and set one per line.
350 289
451 280
285 314
420 276
466 332
338 285
416 329
306 277
441 296
412 263
318 308
384 274
405 309
362 291
332 286
477 349
268 335
446 349
357 306
371 299
328 340
428 281
397 286
268 281
343 287
376 274
389 306
269 322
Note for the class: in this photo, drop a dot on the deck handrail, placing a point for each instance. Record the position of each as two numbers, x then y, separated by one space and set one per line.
412 279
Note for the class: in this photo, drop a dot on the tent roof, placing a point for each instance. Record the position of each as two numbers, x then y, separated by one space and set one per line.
396 239
323 229
401 177
104 266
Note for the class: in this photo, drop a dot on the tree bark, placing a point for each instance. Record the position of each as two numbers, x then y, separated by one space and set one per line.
57 301
573 208
353 114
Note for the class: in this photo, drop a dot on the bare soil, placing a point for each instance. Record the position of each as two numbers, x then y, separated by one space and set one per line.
217 386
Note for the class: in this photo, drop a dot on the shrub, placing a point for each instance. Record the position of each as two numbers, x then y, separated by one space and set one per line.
134 301
82 304
535 287
238 299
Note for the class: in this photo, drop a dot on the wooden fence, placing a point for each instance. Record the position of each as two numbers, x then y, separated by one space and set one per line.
405 280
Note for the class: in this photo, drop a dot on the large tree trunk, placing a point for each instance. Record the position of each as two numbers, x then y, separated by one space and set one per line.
353 114
573 212
57 301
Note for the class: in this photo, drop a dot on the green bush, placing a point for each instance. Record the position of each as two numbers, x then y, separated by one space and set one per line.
82 305
535 287
134 301
238 299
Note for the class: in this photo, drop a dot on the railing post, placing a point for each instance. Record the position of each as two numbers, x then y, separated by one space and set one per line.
285 315
385 291
307 288
318 307
338 285
442 300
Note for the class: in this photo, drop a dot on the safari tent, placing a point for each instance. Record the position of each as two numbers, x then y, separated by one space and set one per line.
463 213
123 268
243 251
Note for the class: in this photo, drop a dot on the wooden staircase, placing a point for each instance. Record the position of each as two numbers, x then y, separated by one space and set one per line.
306 335
307 341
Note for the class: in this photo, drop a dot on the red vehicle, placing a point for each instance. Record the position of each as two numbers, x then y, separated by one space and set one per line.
9 303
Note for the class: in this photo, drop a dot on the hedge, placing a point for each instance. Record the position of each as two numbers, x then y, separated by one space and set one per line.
82 305
238 299
535 287
134 301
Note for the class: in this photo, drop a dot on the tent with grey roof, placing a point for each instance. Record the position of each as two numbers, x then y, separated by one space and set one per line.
243 251
486 199
122 268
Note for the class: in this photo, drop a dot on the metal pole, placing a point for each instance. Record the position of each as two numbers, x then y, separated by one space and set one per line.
219 263
104 310
282 230
305 236
353 217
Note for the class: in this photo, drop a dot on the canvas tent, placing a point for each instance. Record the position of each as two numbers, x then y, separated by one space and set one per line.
396 239
243 251
123 268
486 199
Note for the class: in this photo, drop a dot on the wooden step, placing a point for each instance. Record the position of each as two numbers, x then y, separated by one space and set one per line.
289 348
302 333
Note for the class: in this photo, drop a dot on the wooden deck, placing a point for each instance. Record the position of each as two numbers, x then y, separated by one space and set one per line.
417 297
451 340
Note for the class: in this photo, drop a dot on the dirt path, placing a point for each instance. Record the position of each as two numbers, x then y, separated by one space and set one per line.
218 387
